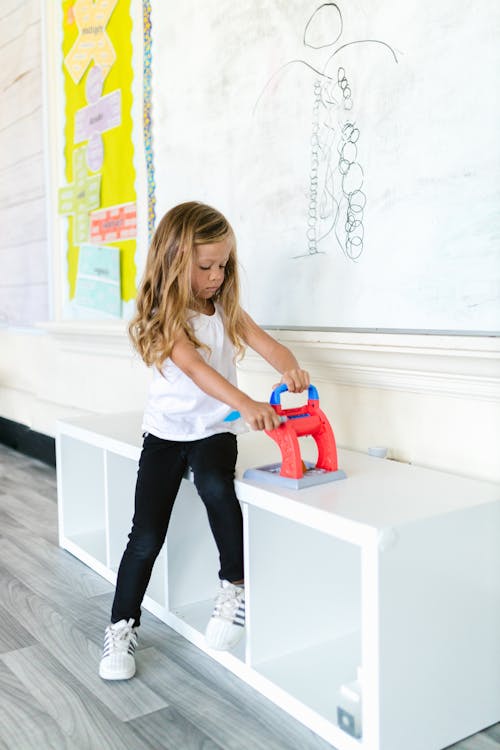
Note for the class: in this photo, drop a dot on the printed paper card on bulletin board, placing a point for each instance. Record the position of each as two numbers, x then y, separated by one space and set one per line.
98 280
99 195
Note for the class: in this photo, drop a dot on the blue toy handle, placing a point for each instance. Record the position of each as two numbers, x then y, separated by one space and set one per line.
275 400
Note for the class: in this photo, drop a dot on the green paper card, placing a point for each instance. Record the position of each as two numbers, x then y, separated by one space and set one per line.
98 279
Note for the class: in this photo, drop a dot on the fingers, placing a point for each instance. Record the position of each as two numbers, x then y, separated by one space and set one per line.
267 421
296 380
261 416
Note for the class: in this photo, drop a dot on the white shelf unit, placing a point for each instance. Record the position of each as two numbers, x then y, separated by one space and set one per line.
395 569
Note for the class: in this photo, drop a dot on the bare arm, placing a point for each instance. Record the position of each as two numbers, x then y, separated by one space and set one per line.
258 415
278 356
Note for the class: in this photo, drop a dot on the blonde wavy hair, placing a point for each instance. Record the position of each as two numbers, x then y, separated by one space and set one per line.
165 295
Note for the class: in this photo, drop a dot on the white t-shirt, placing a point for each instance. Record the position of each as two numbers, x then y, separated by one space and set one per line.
177 409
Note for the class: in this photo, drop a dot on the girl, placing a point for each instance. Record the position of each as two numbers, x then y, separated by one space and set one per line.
189 327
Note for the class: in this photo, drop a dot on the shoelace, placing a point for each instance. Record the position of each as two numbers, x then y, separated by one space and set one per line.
228 601
121 639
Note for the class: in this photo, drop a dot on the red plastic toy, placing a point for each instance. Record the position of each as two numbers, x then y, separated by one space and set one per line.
304 420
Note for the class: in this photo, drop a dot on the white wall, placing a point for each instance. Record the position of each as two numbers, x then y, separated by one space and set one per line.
24 293
434 401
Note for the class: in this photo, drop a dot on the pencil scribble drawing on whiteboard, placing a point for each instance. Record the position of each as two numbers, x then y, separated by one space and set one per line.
336 199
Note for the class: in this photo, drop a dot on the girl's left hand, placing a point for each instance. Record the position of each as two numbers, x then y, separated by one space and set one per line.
296 380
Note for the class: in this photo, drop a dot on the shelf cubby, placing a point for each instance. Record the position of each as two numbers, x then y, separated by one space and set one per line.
304 608
81 480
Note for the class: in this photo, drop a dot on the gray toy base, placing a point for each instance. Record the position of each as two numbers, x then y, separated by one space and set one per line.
270 474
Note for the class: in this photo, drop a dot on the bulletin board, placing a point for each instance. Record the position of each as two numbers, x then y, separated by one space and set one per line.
97 197
353 146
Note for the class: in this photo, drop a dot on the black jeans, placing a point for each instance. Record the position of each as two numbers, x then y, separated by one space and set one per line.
161 467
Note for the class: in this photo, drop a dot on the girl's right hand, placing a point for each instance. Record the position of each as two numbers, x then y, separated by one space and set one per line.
260 415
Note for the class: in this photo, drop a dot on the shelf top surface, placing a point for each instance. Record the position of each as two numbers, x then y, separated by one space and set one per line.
377 493
121 428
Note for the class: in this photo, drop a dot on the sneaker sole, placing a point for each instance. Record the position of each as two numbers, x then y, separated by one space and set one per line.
223 642
104 675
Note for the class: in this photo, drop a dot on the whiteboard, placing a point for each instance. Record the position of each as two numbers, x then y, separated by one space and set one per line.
353 146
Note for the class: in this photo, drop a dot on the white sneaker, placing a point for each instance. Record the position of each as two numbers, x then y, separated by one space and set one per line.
117 662
227 624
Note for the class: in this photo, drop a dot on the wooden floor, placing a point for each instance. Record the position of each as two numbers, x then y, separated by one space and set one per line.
53 610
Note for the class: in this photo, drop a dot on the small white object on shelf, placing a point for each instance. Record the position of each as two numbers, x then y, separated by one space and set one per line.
379 451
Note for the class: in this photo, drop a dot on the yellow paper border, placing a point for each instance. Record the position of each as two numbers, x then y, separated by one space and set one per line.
117 171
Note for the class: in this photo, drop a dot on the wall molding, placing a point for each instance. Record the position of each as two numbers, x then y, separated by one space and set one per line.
88 337
455 366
